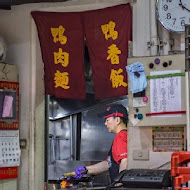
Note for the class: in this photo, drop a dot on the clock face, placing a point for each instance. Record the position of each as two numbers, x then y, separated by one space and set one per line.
174 14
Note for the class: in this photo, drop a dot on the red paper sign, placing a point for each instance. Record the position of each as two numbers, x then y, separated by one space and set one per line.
6 89
8 172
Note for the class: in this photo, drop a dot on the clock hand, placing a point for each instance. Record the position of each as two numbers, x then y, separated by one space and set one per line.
183 7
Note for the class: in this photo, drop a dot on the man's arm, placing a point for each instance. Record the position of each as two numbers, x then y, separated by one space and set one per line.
98 168
123 165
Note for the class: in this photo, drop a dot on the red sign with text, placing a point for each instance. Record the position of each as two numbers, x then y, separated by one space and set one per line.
9 105
9 173
62 35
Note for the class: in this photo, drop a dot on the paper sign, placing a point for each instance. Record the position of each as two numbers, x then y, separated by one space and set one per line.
165 93
133 120
7 106
8 172
9 148
168 139
11 121
138 102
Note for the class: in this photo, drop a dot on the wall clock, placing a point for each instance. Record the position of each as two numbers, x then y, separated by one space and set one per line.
174 14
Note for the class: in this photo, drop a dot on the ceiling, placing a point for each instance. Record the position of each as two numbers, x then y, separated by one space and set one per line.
6 4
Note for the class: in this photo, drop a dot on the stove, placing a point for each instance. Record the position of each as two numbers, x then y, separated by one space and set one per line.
134 179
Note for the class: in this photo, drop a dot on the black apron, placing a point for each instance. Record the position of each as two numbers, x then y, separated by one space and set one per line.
113 166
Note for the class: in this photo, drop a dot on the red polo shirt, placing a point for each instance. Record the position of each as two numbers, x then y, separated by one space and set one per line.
119 147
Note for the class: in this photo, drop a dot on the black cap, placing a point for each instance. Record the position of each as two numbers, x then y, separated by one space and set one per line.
117 110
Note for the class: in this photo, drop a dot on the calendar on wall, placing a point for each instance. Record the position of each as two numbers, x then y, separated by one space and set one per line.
9 148
10 152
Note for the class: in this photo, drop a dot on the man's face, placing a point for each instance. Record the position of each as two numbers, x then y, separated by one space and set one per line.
111 124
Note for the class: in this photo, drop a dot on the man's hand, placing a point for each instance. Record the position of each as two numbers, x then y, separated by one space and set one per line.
80 171
123 165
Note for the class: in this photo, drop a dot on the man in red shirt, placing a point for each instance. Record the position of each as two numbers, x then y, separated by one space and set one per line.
116 118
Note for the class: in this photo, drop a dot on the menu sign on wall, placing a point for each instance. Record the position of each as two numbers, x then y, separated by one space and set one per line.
168 139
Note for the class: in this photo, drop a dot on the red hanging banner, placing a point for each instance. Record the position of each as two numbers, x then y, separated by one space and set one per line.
107 34
61 40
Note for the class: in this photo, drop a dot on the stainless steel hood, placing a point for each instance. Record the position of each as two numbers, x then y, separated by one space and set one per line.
6 4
